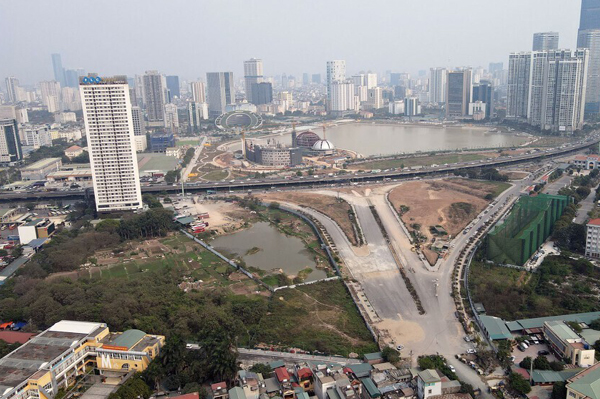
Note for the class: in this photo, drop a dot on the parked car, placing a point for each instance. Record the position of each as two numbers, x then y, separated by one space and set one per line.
451 367
471 351
543 352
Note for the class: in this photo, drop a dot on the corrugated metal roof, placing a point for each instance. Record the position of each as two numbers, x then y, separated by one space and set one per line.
372 390
237 393
495 327
361 370
129 338
373 356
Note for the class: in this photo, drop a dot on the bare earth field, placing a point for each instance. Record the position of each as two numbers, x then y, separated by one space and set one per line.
451 204
328 205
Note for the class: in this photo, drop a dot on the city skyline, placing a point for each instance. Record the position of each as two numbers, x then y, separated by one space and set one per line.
293 54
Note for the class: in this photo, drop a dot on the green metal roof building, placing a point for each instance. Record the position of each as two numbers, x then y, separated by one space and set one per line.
495 328
369 385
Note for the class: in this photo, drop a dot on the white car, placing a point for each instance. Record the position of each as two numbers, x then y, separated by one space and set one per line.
451 367
471 351
399 348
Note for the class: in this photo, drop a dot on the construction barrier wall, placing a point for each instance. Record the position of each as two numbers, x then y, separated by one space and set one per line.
525 229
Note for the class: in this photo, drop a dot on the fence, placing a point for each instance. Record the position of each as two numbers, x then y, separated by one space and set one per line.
229 261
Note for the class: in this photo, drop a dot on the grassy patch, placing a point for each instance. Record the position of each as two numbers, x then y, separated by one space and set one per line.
181 143
321 316
215 175
562 286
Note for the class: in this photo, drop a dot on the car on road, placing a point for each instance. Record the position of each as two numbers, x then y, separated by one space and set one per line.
451 367
543 352
467 339
471 351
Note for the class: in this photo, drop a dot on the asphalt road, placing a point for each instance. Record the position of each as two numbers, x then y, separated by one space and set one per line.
585 206
555 186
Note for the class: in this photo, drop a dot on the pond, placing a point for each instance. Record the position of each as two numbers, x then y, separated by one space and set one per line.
275 250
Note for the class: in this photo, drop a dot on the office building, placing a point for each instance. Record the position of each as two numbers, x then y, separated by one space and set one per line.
496 67
437 85
273 155
159 142
197 112
34 229
262 93
35 136
173 86
592 242
12 85
59 72
171 117
305 79
220 92
10 145
72 77
154 98
375 98
544 41
253 74
343 100
109 128
565 342
139 129
54 359
198 92
316 78
13 112
411 106
590 39
51 95
458 93
590 15
336 72
371 80
484 92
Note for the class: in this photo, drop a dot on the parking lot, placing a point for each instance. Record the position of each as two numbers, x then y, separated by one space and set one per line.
532 352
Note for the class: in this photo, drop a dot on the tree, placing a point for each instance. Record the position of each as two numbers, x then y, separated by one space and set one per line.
557 366
151 201
559 390
172 176
390 354
595 324
541 363
84 157
518 383
274 205
263 369
526 363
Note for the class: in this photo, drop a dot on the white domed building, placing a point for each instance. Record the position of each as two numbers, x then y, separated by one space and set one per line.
323 147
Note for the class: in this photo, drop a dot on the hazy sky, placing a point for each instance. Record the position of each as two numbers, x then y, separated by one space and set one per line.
191 37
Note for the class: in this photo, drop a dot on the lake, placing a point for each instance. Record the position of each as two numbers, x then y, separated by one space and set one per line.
370 139
277 251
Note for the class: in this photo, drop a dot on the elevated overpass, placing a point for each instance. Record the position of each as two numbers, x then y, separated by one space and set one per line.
311 181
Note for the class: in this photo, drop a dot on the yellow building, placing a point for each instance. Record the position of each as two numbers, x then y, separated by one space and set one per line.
54 358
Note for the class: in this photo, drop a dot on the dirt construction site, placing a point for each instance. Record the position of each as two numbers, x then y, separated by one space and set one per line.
451 204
